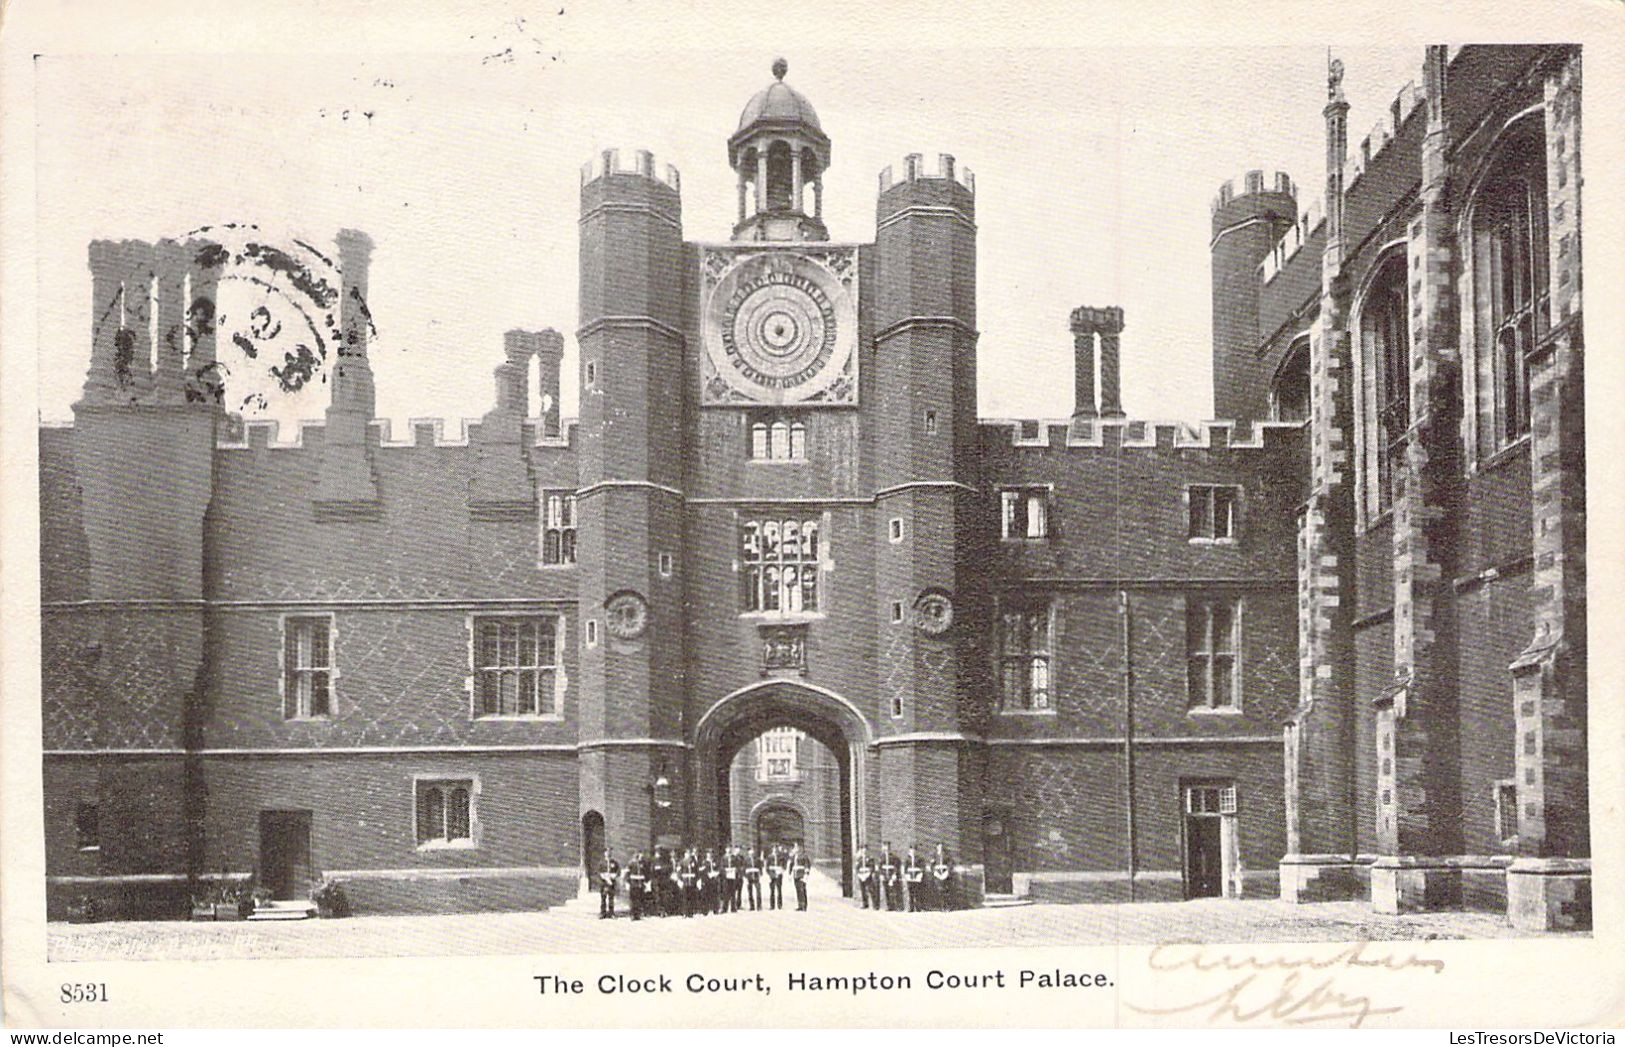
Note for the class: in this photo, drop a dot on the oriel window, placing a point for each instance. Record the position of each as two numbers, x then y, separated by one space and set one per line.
779 566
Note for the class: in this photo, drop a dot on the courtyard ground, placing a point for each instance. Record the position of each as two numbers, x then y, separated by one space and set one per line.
832 922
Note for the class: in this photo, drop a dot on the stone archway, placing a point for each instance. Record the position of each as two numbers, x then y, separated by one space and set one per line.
734 720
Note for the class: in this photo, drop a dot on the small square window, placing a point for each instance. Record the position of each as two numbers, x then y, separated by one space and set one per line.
592 374
930 422
896 611
895 529
87 827
1024 513
1211 511
592 632
445 812
896 707
664 560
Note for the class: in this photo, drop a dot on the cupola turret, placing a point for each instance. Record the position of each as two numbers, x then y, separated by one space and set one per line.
779 152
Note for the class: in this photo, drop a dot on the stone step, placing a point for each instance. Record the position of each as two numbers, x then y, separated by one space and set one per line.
284 910
1004 901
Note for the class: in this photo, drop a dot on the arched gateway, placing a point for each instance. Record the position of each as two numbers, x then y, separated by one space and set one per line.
736 719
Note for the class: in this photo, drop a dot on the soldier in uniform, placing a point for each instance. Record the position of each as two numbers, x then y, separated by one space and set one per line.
942 878
913 881
637 881
734 877
711 901
690 876
868 879
609 873
775 879
800 866
753 880
891 878
660 873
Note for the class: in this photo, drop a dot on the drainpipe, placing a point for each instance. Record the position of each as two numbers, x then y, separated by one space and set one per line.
1128 734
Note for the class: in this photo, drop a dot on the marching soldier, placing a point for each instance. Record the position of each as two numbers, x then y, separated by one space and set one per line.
775 879
799 867
734 874
868 880
609 872
637 883
753 880
891 878
913 881
942 875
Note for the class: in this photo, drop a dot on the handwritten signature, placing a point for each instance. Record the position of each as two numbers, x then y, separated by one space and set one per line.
1282 989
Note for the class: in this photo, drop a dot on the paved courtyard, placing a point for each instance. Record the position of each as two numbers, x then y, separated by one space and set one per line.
832 922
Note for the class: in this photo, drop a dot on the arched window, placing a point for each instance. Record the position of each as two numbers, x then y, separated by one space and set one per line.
1289 393
1509 288
777 437
1385 388
445 811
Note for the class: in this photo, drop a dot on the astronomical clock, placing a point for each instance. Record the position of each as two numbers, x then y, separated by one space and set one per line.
779 325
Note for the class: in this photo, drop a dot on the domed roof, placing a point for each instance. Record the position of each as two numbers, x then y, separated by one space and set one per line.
779 103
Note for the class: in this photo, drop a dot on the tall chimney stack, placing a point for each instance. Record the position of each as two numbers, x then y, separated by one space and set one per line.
353 387
1083 364
1111 330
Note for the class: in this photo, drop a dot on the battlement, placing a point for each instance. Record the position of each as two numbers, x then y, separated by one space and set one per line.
1102 433
914 170
1253 182
265 434
1293 240
643 164
1385 130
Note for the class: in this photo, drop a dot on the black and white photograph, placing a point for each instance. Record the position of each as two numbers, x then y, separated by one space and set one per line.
819 515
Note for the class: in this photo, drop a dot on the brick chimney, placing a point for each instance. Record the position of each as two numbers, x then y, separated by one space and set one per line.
1087 322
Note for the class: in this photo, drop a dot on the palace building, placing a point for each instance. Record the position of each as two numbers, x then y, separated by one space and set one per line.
780 581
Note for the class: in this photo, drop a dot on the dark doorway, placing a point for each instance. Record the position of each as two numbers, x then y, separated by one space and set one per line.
592 842
1204 857
999 867
285 867
780 824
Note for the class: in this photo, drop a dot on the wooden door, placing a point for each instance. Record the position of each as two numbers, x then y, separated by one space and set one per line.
285 866
996 854
1204 857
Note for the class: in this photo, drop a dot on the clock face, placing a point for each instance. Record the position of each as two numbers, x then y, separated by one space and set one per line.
780 327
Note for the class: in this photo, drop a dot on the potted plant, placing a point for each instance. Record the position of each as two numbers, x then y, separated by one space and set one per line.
82 908
330 898
229 900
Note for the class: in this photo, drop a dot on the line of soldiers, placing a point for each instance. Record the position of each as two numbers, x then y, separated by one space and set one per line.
910 883
695 883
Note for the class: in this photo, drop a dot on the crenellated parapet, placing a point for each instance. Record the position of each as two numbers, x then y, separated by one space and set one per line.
642 164
913 170
1253 183
1163 435
267 434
